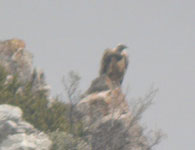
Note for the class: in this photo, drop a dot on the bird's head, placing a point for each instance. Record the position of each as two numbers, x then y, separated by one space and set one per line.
120 47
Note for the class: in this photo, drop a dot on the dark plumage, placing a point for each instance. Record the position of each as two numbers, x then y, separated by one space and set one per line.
114 63
101 83
113 67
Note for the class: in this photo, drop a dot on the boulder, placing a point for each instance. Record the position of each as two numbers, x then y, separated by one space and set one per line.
17 60
17 134
109 123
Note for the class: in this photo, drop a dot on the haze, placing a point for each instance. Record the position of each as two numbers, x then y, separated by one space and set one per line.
68 35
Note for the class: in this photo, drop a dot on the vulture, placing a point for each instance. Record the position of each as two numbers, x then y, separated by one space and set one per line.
112 70
114 64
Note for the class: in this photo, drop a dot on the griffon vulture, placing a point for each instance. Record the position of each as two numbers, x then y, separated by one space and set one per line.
114 63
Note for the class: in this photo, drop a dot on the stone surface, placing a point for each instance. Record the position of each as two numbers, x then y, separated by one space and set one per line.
16 134
108 122
16 59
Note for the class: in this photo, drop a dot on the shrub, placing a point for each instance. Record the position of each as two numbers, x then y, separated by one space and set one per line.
35 105
64 141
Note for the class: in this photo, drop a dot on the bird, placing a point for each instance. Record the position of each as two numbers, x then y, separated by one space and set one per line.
113 66
114 63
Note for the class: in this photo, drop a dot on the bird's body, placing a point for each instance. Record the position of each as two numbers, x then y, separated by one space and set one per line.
113 67
114 63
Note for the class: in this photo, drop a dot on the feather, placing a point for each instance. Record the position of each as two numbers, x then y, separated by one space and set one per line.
114 64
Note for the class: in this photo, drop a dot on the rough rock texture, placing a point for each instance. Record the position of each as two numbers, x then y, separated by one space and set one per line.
109 123
16 134
17 60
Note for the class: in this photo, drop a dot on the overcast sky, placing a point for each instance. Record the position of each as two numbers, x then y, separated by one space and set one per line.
66 35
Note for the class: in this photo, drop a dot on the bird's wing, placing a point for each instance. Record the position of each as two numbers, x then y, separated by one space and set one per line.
106 59
126 57
123 64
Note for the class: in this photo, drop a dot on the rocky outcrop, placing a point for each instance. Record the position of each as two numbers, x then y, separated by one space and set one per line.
17 60
16 134
105 120
109 124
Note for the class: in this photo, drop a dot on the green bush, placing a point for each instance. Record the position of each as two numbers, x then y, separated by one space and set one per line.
35 106
64 141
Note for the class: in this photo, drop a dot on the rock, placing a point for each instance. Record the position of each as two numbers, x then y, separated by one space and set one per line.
108 122
16 134
16 59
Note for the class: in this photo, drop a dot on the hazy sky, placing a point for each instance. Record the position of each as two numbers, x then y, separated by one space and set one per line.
66 35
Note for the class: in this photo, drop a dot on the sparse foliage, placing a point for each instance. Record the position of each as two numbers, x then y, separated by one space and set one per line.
115 135
65 141
71 87
34 105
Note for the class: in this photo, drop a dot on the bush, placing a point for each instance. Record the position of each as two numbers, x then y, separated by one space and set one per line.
35 105
64 141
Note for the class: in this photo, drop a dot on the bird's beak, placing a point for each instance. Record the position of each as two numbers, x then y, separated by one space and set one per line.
125 47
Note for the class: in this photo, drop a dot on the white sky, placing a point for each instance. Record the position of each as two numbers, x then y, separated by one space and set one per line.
69 35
